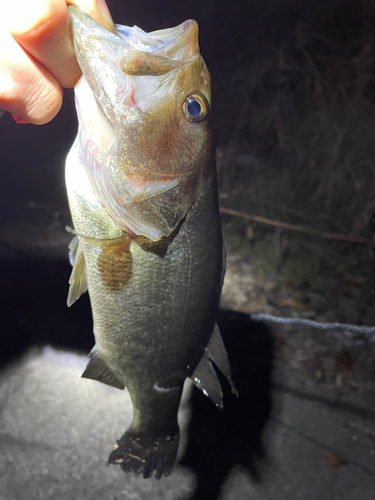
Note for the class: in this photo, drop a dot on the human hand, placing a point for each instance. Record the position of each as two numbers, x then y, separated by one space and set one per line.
37 56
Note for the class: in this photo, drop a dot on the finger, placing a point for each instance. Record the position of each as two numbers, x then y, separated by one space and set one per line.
27 89
97 9
43 29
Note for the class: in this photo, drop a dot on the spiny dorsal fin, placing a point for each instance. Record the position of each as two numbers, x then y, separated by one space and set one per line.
205 378
78 277
218 354
97 369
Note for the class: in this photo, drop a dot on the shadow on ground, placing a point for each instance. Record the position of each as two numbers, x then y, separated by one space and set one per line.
220 440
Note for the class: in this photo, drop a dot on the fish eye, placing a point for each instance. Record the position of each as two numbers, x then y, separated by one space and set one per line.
195 108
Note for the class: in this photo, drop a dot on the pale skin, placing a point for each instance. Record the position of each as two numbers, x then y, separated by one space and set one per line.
37 57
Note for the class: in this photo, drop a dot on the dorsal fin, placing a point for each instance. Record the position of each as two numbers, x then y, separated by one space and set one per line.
97 369
78 277
205 378
218 354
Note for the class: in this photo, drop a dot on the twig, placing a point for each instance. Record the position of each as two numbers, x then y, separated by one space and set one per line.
362 428
293 227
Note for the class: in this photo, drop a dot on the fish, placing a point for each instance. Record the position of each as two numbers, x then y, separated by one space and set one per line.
142 191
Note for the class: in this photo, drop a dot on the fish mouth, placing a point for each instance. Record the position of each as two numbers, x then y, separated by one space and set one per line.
169 42
115 64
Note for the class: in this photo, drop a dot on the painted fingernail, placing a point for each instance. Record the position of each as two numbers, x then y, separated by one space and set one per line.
19 120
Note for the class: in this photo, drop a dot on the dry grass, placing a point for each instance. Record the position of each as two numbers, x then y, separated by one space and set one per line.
295 132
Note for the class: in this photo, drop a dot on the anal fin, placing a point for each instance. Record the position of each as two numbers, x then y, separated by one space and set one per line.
97 369
204 375
205 378
218 354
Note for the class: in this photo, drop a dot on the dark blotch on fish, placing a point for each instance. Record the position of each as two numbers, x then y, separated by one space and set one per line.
115 266
157 247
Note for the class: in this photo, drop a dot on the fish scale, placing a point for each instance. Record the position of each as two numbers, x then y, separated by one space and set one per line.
155 286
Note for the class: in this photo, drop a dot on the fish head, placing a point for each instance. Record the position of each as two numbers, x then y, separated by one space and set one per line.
143 105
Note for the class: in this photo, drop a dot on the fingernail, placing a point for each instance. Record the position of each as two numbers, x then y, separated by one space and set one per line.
19 120
106 15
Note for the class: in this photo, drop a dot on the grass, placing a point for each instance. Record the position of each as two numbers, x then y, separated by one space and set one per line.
296 133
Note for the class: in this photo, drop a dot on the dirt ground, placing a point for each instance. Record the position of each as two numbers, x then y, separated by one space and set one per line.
328 362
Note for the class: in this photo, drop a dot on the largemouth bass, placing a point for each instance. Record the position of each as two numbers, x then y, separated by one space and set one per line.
142 191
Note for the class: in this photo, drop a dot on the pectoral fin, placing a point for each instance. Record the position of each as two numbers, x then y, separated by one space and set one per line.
78 277
218 354
205 378
97 369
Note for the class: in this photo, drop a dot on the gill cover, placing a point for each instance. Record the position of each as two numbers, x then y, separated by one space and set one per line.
144 149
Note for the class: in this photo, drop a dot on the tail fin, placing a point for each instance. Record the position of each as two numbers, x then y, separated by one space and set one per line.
142 453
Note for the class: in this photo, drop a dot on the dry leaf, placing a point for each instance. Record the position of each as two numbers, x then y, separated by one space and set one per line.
292 303
345 285
343 362
332 460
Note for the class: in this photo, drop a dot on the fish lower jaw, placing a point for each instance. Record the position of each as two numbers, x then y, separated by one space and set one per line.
144 453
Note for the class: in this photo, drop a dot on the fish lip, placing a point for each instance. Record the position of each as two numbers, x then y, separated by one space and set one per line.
162 39
86 23
154 41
